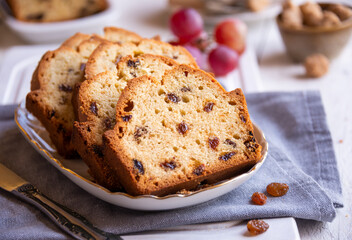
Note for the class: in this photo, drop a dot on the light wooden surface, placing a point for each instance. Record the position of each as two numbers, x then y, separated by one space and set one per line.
278 74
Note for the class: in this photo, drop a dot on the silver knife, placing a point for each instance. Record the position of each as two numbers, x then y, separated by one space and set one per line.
69 221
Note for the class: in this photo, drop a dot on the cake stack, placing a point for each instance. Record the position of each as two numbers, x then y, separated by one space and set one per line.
141 114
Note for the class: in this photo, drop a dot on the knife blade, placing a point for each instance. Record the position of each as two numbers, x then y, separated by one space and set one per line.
68 220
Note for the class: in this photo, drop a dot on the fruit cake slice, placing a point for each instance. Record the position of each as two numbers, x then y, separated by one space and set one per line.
96 100
55 10
52 86
107 55
178 132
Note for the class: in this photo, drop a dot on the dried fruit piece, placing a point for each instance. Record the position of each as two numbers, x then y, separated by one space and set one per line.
199 170
98 150
140 131
168 165
259 198
93 108
209 107
277 189
226 156
256 227
185 89
213 142
139 166
182 128
132 63
107 123
251 143
229 142
51 114
129 106
65 88
172 97
126 118
118 58
243 118
38 16
82 67
133 74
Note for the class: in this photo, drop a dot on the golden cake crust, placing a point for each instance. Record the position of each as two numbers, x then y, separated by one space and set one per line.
107 55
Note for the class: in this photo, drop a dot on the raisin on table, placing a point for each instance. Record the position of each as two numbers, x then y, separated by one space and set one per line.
256 227
259 198
277 189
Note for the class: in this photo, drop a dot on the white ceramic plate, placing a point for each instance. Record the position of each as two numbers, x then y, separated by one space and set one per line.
76 170
59 31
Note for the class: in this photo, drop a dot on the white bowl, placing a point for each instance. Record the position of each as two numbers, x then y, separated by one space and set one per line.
76 171
59 31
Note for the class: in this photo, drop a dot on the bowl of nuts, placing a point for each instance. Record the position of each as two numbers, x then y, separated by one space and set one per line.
314 28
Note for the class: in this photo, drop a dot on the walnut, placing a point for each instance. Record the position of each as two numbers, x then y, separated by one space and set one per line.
341 11
316 65
330 19
257 5
291 16
312 14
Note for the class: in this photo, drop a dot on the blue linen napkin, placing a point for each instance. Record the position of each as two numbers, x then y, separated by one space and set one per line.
300 154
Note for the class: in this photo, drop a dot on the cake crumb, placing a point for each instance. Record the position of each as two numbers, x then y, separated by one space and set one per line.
340 141
316 65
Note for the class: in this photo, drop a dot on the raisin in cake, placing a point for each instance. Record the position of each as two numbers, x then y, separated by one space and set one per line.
96 100
52 86
175 133
54 10
107 55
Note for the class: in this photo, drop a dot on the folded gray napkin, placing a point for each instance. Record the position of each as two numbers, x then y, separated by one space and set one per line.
300 155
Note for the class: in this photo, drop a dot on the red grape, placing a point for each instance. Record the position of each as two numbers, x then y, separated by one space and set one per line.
198 55
232 33
223 60
186 24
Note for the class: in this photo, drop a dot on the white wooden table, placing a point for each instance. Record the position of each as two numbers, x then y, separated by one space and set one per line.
279 74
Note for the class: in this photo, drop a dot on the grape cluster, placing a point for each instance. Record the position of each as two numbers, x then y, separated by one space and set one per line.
220 58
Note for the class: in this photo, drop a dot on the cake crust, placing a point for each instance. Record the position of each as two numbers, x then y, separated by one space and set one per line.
107 55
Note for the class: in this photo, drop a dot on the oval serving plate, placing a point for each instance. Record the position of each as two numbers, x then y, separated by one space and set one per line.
76 171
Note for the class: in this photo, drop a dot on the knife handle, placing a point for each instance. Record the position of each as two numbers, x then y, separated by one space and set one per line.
71 222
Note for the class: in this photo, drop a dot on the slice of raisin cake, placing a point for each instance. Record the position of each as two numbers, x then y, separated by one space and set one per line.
52 86
175 133
55 10
96 100
107 55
